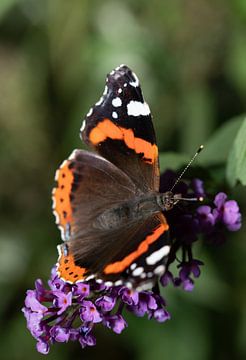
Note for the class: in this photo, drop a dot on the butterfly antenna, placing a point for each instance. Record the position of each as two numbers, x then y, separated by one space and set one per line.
187 166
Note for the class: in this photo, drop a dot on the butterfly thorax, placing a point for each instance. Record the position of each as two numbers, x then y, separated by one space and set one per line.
136 209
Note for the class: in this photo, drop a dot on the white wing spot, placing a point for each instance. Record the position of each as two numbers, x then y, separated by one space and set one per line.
138 271
120 91
134 83
84 123
159 270
125 85
99 101
116 102
136 108
118 282
105 90
133 266
114 115
158 255
89 112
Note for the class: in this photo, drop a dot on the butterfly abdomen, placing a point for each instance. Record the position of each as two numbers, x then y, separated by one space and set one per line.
136 209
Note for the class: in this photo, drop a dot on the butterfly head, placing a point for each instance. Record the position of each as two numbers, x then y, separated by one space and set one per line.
167 200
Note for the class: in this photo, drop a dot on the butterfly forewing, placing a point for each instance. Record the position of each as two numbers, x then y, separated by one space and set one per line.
119 127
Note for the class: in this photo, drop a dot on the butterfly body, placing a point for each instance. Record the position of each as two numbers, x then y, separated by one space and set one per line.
107 203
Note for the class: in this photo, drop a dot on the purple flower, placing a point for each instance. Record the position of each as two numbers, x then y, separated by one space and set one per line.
188 284
106 303
55 283
42 346
129 296
206 218
190 267
82 290
115 322
33 322
87 340
32 303
62 300
146 303
161 315
227 212
59 334
166 278
89 312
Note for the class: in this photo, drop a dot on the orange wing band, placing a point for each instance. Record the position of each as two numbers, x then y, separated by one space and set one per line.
120 266
61 195
107 129
67 270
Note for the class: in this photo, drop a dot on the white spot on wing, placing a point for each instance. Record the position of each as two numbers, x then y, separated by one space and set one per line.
138 271
129 285
99 101
116 102
73 154
118 282
158 255
134 83
120 91
136 108
159 270
108 283
83 124
133 266
90 277
90 112
114 115
105 90
145 286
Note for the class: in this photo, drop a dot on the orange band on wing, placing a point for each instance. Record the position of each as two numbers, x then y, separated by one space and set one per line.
61 195
67 270
107 129
120 266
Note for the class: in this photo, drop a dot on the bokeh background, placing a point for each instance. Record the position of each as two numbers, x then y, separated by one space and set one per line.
54 55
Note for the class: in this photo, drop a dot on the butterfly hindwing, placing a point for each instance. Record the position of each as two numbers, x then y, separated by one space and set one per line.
120 128
134 256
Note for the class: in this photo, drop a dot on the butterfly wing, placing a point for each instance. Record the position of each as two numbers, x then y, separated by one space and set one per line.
87 184
133 256
119 127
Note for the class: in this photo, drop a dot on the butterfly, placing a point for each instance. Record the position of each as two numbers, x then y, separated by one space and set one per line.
107 202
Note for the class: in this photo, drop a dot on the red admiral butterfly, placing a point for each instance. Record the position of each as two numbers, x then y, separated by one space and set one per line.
107 205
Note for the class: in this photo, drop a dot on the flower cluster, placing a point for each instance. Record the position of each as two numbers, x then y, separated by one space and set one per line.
66 312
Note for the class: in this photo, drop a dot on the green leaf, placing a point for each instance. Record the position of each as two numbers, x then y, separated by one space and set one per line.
236 166
216 150
172 160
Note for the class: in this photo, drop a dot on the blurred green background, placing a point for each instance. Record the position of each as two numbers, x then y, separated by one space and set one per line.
190 56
